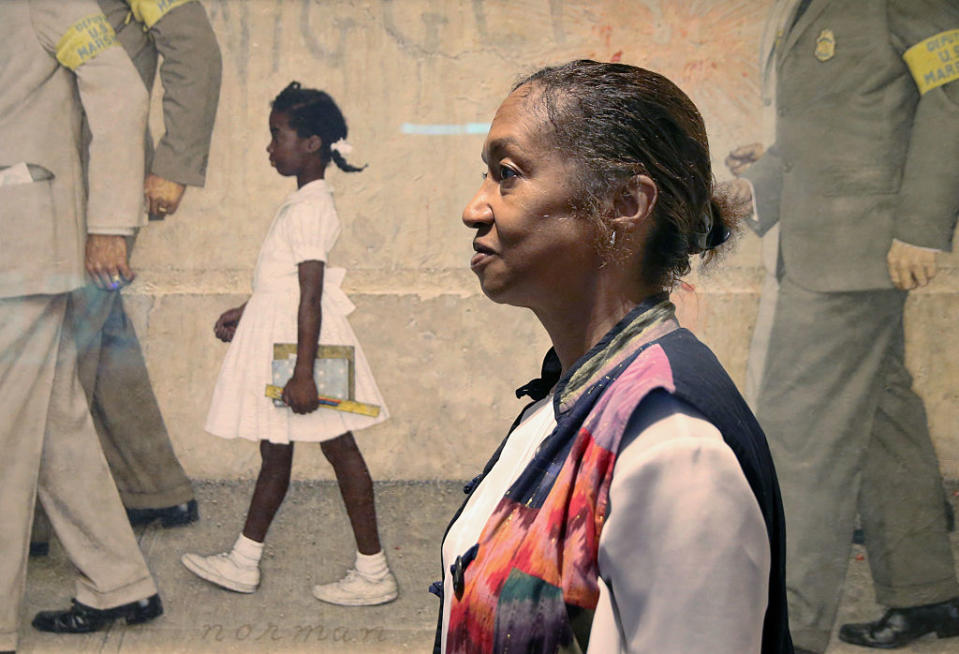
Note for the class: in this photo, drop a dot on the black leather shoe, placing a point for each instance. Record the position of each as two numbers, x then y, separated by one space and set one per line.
899 627
170 516
82 619
39 548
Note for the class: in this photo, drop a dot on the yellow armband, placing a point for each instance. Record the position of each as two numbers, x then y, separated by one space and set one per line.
935 61
149 12
84 40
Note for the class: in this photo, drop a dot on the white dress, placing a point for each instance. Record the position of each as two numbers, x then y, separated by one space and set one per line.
305 228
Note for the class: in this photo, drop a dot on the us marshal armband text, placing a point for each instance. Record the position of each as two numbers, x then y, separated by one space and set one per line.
935 61
85 39
149 12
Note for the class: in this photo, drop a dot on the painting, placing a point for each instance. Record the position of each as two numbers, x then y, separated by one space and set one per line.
826 181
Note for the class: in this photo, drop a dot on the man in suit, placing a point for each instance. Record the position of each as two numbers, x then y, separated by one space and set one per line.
867 115
55 57
112 369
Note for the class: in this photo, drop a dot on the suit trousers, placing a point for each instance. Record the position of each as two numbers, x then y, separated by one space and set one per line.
51 452
769 291
847 431
125 411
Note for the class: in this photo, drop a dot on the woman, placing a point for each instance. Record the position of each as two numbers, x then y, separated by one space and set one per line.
634 506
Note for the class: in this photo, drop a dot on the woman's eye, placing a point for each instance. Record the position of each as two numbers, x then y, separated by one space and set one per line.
485 175
505 172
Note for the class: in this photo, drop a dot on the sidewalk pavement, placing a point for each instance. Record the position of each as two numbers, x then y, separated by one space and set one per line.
310 542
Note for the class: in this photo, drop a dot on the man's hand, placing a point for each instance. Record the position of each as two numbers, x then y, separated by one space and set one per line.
225 326
106 261
910 266
162 196
300 393
743 157
739 194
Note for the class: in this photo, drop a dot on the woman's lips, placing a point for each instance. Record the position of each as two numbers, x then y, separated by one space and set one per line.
481 256
478 259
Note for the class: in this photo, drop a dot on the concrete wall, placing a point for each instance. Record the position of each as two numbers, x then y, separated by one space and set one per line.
446 358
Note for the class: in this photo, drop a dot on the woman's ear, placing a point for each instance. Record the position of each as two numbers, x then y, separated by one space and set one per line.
634 203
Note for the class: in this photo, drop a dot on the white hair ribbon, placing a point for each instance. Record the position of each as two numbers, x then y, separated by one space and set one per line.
342 147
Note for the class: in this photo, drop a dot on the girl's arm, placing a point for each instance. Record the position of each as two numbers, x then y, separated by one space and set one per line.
300 392
225 326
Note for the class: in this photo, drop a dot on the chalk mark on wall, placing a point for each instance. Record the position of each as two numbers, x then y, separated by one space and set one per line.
237 43
277 34
315 45
430 43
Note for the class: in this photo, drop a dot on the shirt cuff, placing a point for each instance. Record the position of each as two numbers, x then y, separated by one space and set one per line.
919 247
752 199
112 231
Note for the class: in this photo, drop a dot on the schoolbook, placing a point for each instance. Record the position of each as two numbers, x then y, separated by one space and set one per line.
333 372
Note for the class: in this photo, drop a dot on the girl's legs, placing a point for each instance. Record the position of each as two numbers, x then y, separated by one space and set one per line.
356 487
239 569
371 581
271 486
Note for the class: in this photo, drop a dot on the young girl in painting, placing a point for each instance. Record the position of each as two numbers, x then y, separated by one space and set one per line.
297 299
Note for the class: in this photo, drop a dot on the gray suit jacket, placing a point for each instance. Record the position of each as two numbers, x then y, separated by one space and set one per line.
190 74
43 224
861 157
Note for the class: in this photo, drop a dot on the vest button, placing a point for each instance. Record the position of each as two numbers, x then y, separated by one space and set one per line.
457 571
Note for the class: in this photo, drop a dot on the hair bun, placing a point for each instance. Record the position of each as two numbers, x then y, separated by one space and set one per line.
714 231
719 232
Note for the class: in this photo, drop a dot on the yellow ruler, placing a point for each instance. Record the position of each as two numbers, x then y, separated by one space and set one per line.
349 406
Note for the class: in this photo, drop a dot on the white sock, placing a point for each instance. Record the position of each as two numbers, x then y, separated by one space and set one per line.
372 566
246 553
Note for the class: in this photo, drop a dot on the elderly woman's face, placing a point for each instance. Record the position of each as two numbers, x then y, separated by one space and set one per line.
530 249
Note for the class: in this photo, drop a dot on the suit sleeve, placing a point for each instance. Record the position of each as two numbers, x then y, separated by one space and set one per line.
929 194
115 103
766 176
190 74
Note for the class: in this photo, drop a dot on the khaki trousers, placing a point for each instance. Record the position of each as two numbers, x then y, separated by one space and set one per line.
51 452
846 430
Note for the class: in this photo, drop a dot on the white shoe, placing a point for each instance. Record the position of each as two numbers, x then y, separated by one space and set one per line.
357 590
222 570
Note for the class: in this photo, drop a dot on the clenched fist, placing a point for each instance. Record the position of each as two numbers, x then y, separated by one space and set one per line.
910 266
162 196
743 157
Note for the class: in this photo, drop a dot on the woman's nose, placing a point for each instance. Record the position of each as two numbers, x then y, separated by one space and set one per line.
477 211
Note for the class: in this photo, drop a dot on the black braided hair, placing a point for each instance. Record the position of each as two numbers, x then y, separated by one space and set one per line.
314 112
